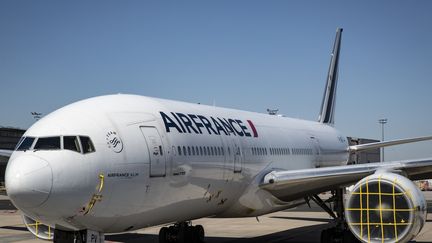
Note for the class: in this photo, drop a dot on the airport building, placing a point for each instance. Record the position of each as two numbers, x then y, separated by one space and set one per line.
9 137
369 156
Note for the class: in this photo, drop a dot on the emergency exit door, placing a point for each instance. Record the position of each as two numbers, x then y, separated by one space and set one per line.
156 151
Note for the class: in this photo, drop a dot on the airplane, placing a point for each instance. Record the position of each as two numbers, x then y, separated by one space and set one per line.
119 163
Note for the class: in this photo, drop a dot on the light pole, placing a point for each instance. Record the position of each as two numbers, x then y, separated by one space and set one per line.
382 122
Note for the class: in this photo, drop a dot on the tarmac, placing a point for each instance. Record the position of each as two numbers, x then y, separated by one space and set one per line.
298 225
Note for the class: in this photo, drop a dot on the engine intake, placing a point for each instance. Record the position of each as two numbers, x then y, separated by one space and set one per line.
385 207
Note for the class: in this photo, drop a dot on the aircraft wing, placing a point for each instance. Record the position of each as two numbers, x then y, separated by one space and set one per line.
6 153
369 146
294 184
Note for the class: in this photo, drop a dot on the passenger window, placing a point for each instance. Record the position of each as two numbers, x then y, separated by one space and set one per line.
184 150
26 144
201 151
179 150
71 143
87 145
49 143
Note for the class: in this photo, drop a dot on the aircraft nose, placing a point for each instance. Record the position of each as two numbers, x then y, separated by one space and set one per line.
28 181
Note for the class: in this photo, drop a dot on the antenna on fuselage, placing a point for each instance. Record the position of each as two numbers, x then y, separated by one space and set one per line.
272 112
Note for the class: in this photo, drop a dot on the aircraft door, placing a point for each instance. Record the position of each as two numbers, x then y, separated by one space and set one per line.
237 156
156 151
316 151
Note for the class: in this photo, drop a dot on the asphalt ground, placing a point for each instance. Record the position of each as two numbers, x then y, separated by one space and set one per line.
300 225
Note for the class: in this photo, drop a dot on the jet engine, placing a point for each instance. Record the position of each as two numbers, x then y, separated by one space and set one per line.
40 230
385 207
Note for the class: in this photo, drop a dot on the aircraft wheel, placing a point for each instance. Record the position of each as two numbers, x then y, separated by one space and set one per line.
181 235
163 235
349 237
326 236
198 233
330 235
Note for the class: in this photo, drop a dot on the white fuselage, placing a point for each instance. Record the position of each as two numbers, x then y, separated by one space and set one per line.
159 161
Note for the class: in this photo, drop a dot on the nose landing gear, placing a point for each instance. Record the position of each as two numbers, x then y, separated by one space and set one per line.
182 232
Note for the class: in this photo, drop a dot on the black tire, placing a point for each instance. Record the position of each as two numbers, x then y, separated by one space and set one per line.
349 237
181 235
325 236
163 235
199 233
80 236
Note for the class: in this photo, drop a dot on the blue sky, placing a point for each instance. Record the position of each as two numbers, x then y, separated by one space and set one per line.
249 55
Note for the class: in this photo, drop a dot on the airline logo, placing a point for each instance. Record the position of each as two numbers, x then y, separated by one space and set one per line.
114 142
198 124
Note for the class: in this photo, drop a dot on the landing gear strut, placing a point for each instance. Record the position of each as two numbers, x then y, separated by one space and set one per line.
339 232
182 232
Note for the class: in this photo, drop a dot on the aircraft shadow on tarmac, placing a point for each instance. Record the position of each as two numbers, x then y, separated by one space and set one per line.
17 228
304 219
307 234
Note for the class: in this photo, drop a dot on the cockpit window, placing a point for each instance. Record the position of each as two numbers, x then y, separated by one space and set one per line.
19 142
26 144
80 144
48 143
71 143
86 144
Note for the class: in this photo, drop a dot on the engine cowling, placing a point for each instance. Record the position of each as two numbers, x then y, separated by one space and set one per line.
385 207
39 229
